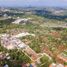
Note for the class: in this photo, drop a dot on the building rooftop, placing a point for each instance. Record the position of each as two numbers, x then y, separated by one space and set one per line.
56 65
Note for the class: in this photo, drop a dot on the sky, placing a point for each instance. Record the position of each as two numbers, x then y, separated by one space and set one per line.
26 3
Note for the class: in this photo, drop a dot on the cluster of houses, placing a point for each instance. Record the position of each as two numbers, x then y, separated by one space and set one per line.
12 42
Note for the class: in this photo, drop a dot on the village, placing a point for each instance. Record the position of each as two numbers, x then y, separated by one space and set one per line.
13 42
30 40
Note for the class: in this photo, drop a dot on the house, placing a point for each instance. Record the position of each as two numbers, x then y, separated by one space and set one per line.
24 65
61 58
52 65
4 56
31 65
56 65
65 65
6 65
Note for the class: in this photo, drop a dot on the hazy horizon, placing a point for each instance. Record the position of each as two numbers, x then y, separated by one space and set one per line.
33 3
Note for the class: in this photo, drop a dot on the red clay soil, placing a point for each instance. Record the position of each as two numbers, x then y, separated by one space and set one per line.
55 34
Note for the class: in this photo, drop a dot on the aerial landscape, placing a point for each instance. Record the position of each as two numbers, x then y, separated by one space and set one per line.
33 33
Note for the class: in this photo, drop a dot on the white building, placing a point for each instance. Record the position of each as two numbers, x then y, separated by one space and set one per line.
19 20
